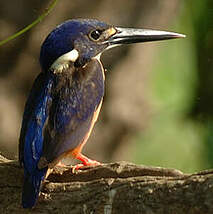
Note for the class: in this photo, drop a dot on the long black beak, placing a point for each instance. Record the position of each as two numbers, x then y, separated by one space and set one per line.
131 35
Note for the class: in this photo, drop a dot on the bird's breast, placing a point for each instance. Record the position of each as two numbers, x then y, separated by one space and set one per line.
76 96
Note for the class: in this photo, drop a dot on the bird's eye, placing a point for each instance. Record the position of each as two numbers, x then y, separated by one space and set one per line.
95 35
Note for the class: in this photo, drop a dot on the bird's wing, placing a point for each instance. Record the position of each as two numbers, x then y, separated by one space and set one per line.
72 112
35 115
31 137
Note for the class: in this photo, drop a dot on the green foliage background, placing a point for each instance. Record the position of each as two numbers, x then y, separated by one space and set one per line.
178 136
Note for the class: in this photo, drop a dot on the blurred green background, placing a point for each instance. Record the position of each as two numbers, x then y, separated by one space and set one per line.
158 106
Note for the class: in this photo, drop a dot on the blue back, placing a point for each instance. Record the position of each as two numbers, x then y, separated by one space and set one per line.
31 138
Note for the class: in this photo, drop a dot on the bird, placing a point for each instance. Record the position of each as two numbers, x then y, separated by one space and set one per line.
66 97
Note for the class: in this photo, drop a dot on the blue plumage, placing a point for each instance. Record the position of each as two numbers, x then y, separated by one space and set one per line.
66 97
70 34
75 98
35 115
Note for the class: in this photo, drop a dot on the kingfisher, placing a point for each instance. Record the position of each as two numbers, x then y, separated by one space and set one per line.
66 97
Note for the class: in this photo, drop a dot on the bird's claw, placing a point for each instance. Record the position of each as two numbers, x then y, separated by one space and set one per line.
87 163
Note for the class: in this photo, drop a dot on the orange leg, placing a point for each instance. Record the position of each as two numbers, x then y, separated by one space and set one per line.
85 162
76 153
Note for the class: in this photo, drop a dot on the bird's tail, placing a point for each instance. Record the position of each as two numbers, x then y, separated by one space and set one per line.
31 187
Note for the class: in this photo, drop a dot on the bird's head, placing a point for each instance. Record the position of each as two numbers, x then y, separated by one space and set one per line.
79 40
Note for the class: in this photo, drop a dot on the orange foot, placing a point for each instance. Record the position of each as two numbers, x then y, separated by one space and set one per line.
85 162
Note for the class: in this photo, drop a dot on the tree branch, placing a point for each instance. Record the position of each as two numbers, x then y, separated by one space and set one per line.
111 188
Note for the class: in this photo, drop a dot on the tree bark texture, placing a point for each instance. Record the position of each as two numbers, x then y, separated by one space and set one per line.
111 188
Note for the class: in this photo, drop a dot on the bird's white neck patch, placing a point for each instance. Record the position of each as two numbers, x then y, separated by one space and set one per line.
63 61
